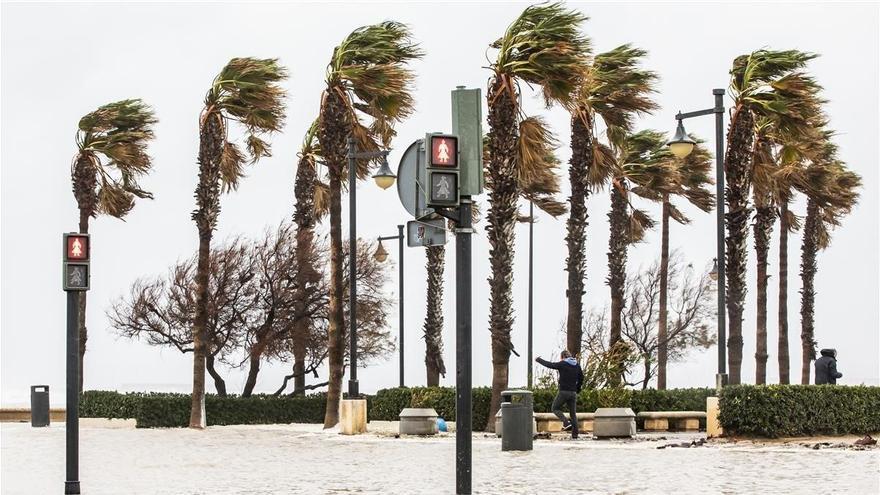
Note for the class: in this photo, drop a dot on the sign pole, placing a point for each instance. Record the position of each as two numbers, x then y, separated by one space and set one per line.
463 354
71 426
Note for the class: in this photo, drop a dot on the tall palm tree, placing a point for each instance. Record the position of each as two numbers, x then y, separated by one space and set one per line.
692 175
245 91
111 156
433 327
614 89
832 192
643 169
542 47
367 78
311 206
764 83
764 164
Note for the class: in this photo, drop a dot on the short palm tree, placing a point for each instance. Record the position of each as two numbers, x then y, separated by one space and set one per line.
645 170
764 83
433 327
111 156
614 89
542 47
367 78
690 180
245 91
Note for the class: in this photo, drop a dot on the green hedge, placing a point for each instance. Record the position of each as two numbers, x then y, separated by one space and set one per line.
799 410
108 404
388 403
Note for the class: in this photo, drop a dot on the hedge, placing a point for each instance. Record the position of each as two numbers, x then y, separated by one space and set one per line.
799 410
388 403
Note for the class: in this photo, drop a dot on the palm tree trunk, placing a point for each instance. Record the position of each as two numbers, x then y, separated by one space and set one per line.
808 293
576 226
617 247
81 316
763 229
219 383
501 219
208 208
85 190
782 346
308 276
737 166
333 135
662 345
434 365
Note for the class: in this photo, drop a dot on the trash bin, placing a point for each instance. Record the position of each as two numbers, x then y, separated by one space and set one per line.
39 405
517 419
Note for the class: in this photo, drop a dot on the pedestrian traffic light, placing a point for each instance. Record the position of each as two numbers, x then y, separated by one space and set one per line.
75 264
442 166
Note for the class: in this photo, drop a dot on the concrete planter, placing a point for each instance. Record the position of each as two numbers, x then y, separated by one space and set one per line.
418 421
614 422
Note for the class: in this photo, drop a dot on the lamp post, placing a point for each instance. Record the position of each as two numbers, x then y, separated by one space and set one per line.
382 180
681 146
382 255
531 274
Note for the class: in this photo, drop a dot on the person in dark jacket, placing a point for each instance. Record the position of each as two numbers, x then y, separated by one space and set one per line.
826 368
571 378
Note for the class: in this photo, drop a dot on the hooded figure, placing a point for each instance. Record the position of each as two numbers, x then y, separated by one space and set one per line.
571 379
826 368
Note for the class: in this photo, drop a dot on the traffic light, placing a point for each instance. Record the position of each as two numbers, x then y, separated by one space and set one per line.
76 262
442 166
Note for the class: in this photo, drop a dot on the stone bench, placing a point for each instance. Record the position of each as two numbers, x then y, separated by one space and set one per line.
681 420
548 422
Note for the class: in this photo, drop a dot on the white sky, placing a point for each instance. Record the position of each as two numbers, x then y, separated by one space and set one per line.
60 61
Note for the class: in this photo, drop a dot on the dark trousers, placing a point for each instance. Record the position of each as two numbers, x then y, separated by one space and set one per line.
566 397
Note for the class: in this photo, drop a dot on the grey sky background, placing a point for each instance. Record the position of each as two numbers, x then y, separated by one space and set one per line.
60 61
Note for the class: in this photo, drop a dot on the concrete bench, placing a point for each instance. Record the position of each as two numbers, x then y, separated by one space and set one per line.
548 422
681 420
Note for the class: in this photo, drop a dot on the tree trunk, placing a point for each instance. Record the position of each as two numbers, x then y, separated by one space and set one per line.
253 370
81 316
219 383
782 347
737 167
617 246
305 219
578 169
333 136
662 344
501 219
208 208
434 365
763 229
647 373
299 367
808 293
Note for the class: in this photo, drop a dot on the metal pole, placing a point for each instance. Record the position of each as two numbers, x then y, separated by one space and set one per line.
71 426
400 288
721 379
463 413
352 269
531 275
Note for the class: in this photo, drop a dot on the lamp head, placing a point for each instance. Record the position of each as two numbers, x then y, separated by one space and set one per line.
714 273
681 144
384 177
381 254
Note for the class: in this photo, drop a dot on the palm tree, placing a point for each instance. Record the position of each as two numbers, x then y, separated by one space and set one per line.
763 167
245 91
764 83
692 175
368 78
831 191
433 328
311 206
614 89
542 47
645 170
117 132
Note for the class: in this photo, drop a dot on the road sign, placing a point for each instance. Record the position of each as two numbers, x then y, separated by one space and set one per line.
427 232
442 170
75 262
411 180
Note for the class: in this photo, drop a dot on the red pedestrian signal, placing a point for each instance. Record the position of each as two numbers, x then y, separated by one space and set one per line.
77 247
444 151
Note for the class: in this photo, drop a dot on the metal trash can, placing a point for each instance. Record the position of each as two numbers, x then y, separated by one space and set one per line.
39 405
517 419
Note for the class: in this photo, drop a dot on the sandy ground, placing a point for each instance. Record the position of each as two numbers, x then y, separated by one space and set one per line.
287 459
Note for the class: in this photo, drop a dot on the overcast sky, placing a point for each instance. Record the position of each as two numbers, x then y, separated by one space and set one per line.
60 61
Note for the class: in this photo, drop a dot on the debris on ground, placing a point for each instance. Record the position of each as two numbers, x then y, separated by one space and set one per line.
684 445
866 440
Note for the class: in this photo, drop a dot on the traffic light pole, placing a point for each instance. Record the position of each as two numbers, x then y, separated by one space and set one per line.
71 426
463 400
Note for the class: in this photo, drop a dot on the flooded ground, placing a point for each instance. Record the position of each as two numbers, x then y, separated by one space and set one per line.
288 459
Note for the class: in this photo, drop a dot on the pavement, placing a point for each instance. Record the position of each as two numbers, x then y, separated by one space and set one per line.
304 458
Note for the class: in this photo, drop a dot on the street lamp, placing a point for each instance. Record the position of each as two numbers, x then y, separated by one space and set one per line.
384 177
713 274
681 146
353 156
381 255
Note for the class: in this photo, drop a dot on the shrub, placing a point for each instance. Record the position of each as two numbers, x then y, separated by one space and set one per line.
797 410
108 404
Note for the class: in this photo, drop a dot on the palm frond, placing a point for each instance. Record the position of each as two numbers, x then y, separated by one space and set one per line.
247 90
618 89
322 199
638 223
